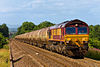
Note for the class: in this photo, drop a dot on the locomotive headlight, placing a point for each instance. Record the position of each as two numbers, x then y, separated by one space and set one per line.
76 25
67 41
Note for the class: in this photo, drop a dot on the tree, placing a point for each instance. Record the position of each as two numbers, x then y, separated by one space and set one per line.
94 36
2 40
19 31
97 32
45 24
4 30
36 27
29 26
26 27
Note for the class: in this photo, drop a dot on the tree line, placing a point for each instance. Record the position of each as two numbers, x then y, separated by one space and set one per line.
4 34
30 26
94 35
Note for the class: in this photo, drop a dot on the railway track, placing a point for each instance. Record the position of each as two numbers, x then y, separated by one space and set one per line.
25 55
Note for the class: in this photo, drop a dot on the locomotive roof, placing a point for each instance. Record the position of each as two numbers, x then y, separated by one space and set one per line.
63 24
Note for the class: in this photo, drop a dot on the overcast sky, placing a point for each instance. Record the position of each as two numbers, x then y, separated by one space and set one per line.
14 12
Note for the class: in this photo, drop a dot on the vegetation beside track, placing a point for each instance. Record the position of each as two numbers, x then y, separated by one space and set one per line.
94 42
94 36
93 54
4 34
4 49
4 57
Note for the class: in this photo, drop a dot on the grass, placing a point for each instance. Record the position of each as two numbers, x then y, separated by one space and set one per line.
93 54
4 58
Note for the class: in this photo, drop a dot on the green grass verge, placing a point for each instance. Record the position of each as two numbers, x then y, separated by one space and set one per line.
93 54
4 58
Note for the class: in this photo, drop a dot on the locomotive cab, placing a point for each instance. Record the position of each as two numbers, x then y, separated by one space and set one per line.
77 35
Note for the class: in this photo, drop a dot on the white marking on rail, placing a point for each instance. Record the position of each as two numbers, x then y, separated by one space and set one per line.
37 53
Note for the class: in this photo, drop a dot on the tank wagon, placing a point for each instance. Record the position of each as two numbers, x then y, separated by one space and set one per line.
69 38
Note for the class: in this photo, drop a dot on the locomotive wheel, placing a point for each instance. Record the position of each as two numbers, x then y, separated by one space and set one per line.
34 44
31 43
39 45
47 47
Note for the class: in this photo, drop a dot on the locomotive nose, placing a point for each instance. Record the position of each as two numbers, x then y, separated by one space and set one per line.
78 40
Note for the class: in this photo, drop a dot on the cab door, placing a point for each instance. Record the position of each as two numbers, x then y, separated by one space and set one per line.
62 33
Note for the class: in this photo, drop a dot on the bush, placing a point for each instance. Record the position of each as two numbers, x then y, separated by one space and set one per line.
6 47
95 43
2 40
93 54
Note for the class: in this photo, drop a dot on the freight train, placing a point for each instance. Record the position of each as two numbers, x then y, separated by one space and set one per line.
69 38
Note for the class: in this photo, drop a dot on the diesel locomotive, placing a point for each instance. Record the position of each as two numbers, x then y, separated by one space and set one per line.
69 38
